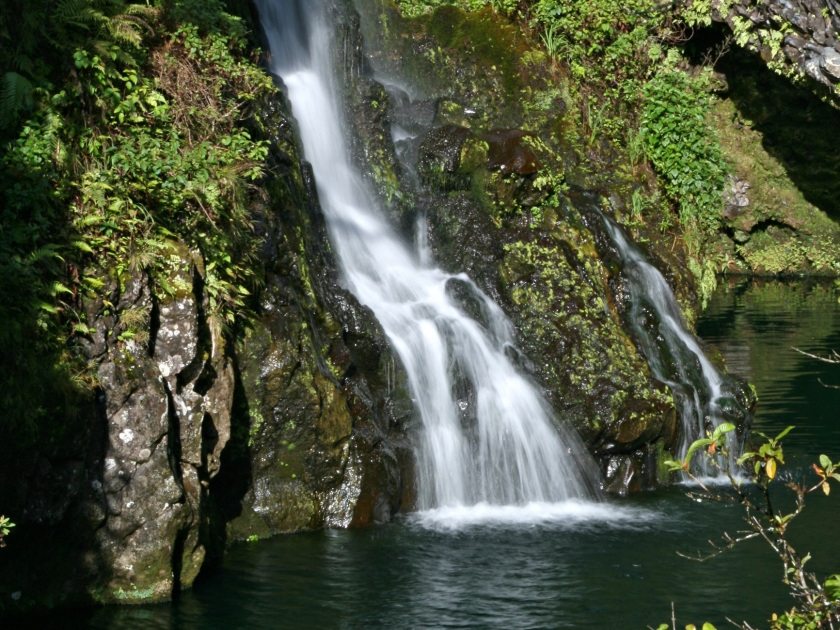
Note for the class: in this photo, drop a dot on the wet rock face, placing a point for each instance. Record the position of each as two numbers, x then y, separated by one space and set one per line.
507 152
490 192
322 409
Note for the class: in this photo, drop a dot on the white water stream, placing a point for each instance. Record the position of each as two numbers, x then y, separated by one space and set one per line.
507 450
673 353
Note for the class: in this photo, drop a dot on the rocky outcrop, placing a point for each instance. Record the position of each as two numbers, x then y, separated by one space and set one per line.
135 499
167 408
795 37
198 436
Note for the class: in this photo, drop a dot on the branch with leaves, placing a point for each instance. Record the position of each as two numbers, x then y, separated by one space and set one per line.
818 601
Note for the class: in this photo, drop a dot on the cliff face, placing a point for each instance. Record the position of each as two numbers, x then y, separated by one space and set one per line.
195 441
506 185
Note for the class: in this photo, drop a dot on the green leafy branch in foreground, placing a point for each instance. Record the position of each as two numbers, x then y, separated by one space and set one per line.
5 527
818 602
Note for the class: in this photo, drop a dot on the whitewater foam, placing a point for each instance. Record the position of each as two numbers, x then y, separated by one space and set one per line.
572 514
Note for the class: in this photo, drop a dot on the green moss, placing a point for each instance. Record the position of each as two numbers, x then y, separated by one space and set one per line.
257 422
780 231
558 304
134 594
487 38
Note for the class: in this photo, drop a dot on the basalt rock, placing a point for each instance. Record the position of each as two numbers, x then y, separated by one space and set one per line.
133 493
795 37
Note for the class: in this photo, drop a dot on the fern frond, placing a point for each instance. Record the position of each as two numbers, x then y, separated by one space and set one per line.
79 13
137 21
142 10
125 30
15 95
56 288
23 63
47 252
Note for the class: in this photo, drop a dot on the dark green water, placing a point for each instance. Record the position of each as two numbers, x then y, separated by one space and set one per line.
587 574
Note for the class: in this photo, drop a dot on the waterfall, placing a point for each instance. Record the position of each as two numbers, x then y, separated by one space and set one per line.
503 447
673 353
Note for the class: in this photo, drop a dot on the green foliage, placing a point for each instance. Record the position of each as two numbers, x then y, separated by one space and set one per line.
137 145
683 148
413 8
715 441
585 29
818 602
5 527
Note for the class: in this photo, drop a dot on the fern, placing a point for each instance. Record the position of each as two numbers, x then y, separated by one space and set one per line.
78 13
16 95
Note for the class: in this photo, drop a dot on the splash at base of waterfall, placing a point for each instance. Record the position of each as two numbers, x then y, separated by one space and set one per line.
564 515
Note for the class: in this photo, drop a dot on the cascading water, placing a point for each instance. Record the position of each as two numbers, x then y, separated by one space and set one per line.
511 452
673 353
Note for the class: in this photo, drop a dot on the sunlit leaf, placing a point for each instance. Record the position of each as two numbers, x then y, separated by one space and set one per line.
770 469
832 587
726 427
825 462
784 433
826 489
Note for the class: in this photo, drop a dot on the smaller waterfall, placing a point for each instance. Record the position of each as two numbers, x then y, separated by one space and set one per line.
673 353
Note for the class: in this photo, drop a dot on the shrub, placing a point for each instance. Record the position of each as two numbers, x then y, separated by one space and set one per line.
683 148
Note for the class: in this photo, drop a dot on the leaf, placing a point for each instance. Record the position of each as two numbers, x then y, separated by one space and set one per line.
698 444
726 427
708 626
825 462
826 489
770 469
832 587
16 94
784 433
81 245
663 626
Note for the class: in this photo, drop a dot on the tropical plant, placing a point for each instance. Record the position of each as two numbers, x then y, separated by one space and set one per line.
129 139
5 526
683 148
818 600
